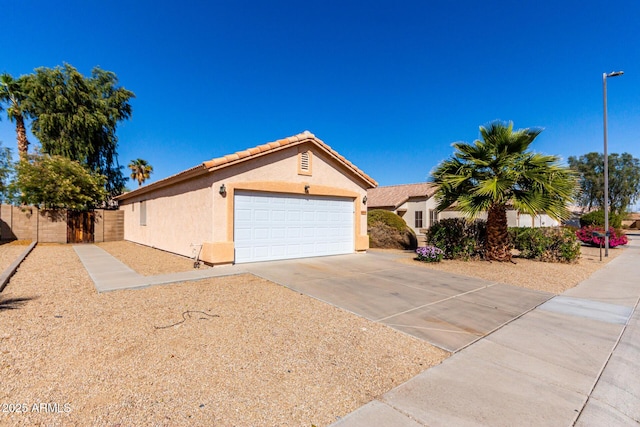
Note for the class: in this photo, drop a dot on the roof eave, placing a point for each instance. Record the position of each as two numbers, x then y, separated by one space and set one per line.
223 162
171 180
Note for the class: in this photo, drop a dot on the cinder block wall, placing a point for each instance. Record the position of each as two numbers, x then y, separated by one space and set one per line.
98 225
19 222
50 226
113 226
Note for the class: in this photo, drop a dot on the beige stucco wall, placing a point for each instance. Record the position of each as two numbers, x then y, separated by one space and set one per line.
419 204
513 219
177 216
193 212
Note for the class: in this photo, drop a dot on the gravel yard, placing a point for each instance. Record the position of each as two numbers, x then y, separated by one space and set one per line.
10 251
250 352
148 261
543 276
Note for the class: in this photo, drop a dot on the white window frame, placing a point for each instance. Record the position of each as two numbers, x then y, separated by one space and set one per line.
433 216
418 219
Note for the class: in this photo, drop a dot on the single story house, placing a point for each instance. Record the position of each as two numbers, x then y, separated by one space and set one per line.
292 198
632 220
417 206
413 202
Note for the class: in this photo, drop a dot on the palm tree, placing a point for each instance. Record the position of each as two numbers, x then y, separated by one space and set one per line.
12 94
498 171
140 170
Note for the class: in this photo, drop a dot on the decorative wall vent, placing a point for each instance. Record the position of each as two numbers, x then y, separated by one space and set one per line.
304 161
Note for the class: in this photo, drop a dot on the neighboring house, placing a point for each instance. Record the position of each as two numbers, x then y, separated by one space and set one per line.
292 198
632 220
514 218
413 202
417 206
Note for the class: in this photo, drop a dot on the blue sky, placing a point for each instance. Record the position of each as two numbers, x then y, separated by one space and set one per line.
388 84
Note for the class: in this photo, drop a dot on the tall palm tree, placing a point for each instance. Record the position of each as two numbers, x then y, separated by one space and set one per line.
140 170
498 171
12 94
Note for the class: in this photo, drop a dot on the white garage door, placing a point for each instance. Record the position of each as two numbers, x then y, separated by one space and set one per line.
270 226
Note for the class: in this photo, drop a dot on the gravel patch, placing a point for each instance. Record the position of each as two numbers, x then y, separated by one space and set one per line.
242 351
9 252
146 260
543 276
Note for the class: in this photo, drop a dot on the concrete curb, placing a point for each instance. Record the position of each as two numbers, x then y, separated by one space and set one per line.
6 275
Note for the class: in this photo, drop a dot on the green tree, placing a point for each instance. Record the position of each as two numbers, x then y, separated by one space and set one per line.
76 117
6 169
497 172
140 170
624 180
12 94
57 182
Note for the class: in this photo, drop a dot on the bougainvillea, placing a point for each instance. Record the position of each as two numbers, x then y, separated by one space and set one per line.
586 235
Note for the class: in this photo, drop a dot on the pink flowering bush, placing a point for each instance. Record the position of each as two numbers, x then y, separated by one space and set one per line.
429 254
616 238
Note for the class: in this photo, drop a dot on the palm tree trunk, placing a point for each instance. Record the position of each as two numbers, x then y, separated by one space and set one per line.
498 245
23 142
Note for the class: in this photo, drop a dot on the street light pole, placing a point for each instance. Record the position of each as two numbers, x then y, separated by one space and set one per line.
606 161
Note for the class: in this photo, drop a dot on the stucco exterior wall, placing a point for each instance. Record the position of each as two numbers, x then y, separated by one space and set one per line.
194 212
513 219
177 217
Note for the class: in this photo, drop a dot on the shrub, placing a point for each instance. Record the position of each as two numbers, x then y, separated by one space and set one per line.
386 217
546 244
458 238
597 218
429 254
387 230
616 237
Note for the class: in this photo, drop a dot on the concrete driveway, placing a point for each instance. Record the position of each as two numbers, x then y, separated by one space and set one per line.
447 310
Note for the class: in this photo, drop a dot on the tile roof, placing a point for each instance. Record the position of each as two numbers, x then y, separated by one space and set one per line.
395 195
251 153
633 216
300 138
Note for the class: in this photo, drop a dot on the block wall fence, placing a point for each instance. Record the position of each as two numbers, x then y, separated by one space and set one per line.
50 226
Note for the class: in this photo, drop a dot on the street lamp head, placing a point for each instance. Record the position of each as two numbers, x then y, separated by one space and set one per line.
615 74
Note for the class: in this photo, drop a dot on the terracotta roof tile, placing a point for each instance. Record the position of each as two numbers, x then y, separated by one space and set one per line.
302 137
230 159
395 195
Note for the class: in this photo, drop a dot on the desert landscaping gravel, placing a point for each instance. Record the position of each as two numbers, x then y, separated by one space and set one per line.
231 351
148 261
9 252
543 276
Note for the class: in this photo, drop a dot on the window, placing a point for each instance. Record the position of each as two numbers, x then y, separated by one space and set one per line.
143 212
304 163
418 223
433 217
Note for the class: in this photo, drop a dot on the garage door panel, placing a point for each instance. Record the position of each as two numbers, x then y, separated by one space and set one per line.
278 232
278 215
278 226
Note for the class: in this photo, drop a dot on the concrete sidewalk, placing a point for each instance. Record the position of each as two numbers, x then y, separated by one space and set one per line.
109 274
572 361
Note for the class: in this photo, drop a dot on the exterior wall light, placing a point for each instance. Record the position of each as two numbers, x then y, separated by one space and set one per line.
306 188
223 190
364 200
